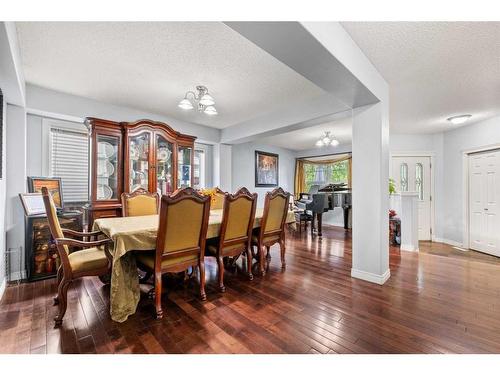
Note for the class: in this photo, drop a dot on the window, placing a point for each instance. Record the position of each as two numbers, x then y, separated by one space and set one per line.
69 160
419 179
199 170
322 174
403 176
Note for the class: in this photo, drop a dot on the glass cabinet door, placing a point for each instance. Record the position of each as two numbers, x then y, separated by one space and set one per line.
139 161
107 167
164 163
184 167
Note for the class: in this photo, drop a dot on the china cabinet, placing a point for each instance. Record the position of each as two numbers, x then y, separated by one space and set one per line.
126 156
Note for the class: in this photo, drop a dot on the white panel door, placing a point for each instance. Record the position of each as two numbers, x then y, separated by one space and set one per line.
413 174
484 198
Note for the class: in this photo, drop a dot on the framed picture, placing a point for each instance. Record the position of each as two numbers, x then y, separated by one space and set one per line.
32 203
53 184
266 169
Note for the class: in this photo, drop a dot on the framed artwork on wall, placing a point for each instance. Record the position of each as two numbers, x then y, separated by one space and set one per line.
32 203
266 169
53 184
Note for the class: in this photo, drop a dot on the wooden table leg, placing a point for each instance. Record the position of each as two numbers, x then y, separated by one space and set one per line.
320 223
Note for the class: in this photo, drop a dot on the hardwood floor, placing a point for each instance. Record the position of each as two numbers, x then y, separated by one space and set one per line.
435 302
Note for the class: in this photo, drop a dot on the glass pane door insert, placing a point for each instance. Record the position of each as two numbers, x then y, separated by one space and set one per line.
164 165
184 167
107 167
139 161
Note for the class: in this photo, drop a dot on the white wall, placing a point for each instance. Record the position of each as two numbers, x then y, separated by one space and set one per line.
2 205
50 101
454 143
243 168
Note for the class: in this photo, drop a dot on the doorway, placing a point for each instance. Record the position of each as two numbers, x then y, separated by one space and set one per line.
483 198
413 174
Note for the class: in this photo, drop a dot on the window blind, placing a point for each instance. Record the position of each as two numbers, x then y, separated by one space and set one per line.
69 161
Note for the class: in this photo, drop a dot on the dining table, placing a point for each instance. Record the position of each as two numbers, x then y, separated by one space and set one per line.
138 233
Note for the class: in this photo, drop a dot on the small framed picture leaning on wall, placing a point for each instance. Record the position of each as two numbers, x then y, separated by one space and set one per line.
53 184
266 169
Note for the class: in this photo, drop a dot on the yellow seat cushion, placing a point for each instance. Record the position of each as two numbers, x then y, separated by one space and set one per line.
255 239
142 205
87 260
211 249
148 259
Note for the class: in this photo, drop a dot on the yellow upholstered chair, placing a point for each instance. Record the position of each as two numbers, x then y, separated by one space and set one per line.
92 261
180 243
140 203
272 226
218 202
236 231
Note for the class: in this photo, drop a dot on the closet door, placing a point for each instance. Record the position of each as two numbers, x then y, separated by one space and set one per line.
484 197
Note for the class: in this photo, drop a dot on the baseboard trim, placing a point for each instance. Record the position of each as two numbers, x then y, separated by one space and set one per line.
409 247
3 285
371 277
448 242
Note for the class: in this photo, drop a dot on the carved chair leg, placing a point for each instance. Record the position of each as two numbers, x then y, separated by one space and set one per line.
159 311
59 278
62 296
203 295
262 260
220 264
249 263
282 250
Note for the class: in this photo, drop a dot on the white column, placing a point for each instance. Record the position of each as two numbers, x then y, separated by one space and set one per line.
223 166
370 201
409 221
16 183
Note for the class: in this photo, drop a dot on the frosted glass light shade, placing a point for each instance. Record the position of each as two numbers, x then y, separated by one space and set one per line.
210 110
207 100
334 143
319 143
185 104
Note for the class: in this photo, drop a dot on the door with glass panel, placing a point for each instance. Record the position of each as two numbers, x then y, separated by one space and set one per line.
164 160
184 165
413 174
139 146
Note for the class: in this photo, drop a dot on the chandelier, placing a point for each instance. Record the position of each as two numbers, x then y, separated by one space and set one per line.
203 101
327 140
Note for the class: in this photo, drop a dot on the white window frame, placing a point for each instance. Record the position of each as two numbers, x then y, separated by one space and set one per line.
47 126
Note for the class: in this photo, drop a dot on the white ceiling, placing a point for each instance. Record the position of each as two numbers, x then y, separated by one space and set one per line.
435 70
149 66
305 139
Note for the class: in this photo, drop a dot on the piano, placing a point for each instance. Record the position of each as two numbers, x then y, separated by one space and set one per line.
321 199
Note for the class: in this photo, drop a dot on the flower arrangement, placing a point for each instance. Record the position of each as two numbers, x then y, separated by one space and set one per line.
392 186
392 213
209 192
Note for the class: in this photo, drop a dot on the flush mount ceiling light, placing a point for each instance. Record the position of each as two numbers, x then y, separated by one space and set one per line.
457 120
327 140
203 101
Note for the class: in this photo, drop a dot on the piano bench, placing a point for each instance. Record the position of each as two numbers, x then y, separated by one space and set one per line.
302 217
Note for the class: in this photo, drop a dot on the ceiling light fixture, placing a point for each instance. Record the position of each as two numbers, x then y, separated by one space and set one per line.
203 101
327 140
457 120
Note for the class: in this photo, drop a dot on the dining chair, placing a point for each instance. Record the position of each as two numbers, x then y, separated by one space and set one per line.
218 202
272 226
140 203
180 243
91 261
238 216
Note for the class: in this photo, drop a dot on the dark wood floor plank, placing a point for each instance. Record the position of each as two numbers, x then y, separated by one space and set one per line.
440 300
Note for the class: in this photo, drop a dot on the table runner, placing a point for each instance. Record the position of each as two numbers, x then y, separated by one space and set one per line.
139 233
